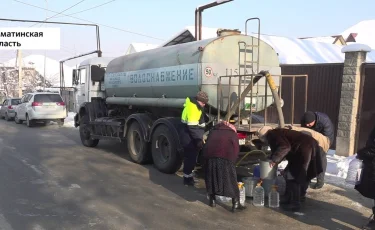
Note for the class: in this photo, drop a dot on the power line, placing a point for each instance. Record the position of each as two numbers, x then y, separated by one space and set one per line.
127 31
88 9
61 12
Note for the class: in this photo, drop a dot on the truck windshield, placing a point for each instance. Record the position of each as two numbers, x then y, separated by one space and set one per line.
47 98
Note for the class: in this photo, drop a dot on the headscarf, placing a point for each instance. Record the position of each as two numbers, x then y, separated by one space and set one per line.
229 125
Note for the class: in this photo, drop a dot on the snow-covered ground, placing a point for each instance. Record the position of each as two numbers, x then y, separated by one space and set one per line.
69 121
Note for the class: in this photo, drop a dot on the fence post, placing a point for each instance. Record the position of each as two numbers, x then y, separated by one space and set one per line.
355 55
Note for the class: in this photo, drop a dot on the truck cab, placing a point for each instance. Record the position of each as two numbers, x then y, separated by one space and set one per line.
85 87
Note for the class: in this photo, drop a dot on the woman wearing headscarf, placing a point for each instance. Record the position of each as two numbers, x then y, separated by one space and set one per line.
220 153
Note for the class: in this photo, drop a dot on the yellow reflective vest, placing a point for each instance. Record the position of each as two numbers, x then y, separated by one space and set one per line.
193 117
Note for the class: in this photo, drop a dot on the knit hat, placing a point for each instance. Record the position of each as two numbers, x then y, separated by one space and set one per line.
263 131
202 96
309 117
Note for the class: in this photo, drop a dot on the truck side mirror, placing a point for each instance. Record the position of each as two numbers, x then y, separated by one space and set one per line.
97 73
74 77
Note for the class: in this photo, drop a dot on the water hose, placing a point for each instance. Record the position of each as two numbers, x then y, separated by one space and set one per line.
248 153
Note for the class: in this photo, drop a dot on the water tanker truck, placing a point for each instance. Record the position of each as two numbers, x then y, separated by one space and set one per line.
138 98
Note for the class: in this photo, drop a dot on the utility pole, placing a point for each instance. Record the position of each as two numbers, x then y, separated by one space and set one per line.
20 72
44 74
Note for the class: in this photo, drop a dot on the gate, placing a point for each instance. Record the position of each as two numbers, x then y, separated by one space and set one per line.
255 110
366 110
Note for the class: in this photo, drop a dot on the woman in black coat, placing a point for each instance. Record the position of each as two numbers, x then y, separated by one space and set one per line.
304 160
366 185
220 153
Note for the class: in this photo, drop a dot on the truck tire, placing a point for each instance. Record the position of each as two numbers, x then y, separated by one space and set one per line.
84 133
164 150
137 146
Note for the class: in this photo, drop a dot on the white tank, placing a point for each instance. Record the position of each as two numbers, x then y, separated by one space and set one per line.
179 71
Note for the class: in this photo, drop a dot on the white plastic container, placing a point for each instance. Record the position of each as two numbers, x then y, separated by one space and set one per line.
281 184
273 198
250 183
242 189
258 196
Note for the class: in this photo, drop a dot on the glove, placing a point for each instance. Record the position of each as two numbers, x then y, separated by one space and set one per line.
289 127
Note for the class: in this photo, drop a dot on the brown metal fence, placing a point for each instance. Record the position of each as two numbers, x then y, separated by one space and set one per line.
324 89
366 114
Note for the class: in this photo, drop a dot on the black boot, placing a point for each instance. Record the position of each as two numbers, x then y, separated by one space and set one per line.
286 198
295 204
319 184
189 181
212 201
236 205
304 191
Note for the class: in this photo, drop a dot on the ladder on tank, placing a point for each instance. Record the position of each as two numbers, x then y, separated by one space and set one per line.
248 64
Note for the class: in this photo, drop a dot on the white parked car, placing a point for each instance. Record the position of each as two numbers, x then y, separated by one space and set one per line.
41 107
7 110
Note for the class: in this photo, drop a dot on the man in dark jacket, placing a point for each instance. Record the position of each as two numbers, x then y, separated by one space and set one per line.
366 185
303 157
320 123
192 133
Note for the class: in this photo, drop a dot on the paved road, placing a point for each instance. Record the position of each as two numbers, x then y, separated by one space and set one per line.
50 181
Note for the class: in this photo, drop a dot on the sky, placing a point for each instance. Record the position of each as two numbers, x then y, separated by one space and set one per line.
159 20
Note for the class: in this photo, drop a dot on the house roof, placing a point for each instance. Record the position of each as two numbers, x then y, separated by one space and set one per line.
139 47
290 50
188 35
362 32
328 39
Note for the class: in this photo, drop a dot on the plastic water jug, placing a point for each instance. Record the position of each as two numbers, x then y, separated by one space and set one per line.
258 195
242 189
354 172
281 185
273 198
250 183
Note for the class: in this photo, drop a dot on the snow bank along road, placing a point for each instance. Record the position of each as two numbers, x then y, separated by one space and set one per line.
50 181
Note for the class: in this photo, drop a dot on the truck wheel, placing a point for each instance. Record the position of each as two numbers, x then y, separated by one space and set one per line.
164 151
84 133
137 146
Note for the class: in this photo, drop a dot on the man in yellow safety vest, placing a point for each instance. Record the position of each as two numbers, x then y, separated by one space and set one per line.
192 134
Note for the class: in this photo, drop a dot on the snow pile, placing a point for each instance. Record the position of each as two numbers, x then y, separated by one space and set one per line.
52 68
337 169
337 165
69 120
343 166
